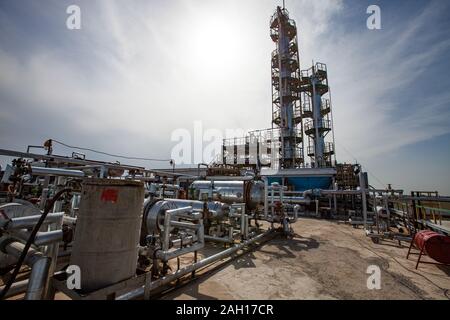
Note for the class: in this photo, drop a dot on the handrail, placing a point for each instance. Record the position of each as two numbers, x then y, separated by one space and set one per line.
323 124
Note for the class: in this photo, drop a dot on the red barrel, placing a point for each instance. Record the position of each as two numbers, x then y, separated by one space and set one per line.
435 245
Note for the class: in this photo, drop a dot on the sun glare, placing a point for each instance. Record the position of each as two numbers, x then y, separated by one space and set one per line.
214 44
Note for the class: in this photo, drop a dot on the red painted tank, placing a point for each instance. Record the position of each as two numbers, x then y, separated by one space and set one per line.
436 246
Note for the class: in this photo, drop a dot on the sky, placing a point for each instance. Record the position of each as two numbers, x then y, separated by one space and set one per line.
138 72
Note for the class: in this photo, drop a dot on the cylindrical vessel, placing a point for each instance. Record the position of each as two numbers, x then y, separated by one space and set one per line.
154 211
249 192
435 245
107 232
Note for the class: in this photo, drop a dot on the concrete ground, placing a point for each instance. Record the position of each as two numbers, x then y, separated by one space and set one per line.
325 260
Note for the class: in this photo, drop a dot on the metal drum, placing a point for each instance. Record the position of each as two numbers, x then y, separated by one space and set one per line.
435 245
107 232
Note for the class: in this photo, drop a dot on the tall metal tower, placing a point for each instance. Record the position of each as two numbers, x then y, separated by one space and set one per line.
316 107
286 80
300 107
300 100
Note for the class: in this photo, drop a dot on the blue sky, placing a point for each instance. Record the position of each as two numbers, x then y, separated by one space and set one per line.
137 71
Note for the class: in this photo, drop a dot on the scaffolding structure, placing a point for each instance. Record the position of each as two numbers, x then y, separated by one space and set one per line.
316 112
301 107
285 74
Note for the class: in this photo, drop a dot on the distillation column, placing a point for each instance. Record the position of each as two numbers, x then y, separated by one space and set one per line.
286 113
317 108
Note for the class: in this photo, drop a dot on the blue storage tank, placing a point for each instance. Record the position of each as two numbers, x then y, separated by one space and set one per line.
305 183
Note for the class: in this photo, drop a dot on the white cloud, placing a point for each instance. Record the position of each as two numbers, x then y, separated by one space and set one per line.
140 77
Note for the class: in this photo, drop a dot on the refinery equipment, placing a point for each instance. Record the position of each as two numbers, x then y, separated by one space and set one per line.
127 227
113 208
301 107
286 88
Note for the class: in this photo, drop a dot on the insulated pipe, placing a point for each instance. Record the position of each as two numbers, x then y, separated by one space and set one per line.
198 167
29 221
42 238
232 178
341 192
38 263
167 217
388 212
165 254
296 210
168 186
246 233
154 212
266 188
168 255
231 234
308 193
16 288
297 200
219 239
362 184
184 271
69 220
38 279
41 171
187 240
184 225
243 218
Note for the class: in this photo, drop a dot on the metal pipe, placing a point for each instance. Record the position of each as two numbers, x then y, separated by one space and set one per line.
38 279
341 192
165 254
51 250
335 188
219 239
186 270
38 263
186 241
198 167
243 215
16 288
42 238
29 221
166 231
184 225
63 159
232 178
69 220
231 233
362 183
299 200
296 210
246 217
266 187
42 171
439 199
168 255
